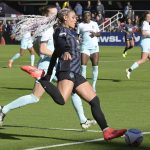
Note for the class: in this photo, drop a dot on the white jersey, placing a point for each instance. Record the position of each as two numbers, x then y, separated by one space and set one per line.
84 30
145 40
27 35
48 37
146 27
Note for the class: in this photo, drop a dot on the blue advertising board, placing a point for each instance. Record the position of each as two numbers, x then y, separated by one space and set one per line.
116 39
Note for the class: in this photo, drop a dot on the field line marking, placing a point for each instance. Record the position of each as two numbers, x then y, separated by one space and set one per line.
65 144
146 133
73 143
61 129
66 129
114 60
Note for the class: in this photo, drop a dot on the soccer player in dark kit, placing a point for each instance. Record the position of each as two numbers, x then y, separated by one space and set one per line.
69 75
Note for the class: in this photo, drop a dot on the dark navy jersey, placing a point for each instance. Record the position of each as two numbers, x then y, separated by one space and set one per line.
65 41
129 29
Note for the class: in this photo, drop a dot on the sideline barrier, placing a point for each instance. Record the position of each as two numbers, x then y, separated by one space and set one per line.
116 39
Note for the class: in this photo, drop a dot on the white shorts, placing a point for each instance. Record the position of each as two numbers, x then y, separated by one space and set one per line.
89 51
44 64
145 46
26 43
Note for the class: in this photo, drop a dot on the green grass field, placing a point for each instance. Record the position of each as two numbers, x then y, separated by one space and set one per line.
126 104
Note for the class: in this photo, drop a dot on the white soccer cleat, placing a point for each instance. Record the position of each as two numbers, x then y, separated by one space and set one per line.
124 54
88 123
128 73
2 115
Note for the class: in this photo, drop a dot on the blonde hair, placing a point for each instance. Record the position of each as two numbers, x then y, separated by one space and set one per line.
33 23
63 12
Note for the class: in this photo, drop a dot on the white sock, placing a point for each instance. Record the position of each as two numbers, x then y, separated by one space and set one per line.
94 76
32 60
83 71
134 66
77 103
53 75
16 56
19 102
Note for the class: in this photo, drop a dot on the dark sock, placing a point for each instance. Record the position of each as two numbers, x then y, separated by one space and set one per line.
126 48
130 47
97 113
130 70
53 91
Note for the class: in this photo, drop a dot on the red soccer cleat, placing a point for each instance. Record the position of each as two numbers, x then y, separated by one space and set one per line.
33 71
111 133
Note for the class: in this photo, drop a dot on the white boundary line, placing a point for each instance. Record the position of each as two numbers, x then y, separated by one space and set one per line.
146 133
63 129
73 143
65 144
80 130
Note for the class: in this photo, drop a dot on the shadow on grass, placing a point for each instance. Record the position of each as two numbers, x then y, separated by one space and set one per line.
28 89
4 67
8 136
19 136
112 145
113 80
41 128
118 80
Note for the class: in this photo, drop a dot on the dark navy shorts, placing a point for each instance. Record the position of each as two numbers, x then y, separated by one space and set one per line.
129 37
76 78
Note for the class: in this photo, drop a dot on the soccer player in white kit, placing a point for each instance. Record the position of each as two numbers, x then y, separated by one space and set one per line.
89 32
145 44
46 50
26 44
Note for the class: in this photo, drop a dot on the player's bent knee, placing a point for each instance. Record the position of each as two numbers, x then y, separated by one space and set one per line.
36 99
95 101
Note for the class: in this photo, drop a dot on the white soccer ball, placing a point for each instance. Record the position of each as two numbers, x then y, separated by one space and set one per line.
133 137
130 30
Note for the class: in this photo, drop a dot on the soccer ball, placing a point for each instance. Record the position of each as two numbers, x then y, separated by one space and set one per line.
130 30
133 137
